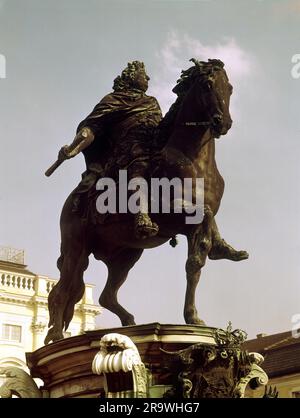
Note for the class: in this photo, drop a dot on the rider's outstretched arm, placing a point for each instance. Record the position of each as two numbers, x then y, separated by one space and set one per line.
81 141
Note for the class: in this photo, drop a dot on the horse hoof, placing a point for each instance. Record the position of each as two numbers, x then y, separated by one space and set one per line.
53 335
197 321
128 323
222 250
194 320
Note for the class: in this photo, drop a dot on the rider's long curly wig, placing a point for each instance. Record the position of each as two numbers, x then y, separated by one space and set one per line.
123 81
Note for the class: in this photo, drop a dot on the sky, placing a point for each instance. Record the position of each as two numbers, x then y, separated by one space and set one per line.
61 57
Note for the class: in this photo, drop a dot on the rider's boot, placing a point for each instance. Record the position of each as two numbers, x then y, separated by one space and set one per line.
144 227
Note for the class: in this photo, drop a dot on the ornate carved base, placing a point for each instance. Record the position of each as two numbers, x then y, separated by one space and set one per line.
152 361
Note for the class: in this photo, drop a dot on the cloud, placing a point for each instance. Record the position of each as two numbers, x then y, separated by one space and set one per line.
176 53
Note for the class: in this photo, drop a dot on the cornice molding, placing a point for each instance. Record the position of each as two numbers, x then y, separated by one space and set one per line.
19 300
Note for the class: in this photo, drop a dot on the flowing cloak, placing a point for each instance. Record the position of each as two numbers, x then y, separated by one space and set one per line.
119 121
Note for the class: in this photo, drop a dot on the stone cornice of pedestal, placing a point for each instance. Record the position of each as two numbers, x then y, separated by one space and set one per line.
164 333
77 353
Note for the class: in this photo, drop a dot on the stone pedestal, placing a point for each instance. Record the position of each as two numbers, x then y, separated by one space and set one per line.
168 354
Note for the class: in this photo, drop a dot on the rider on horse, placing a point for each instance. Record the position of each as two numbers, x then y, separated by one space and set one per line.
119 134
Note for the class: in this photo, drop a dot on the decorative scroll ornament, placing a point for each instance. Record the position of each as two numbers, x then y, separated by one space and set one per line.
18 383
255 378
119 354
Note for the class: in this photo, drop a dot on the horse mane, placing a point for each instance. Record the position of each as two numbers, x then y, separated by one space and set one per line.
200 70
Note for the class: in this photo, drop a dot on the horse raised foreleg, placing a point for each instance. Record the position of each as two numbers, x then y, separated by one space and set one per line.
68 291
118 269
199 244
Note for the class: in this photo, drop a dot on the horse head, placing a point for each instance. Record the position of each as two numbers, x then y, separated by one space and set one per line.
207 86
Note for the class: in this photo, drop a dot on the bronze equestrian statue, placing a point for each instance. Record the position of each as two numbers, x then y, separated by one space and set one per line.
126 131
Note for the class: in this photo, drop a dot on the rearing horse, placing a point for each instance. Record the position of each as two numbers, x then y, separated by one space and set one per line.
200 113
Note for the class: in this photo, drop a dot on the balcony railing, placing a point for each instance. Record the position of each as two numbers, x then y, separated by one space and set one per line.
20 282
17 282
50 284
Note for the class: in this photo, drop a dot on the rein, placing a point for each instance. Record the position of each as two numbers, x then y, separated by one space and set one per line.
199 124
196 123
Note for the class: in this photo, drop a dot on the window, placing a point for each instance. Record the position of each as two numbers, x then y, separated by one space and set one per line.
11 332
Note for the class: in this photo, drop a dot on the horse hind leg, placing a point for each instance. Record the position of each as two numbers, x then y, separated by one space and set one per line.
118 269
199 245
75 289
67 292
55 324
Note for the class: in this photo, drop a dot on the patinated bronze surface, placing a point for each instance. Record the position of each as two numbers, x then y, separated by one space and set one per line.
126 131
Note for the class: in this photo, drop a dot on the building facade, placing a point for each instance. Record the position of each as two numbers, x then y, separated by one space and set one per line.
24 310
281 362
